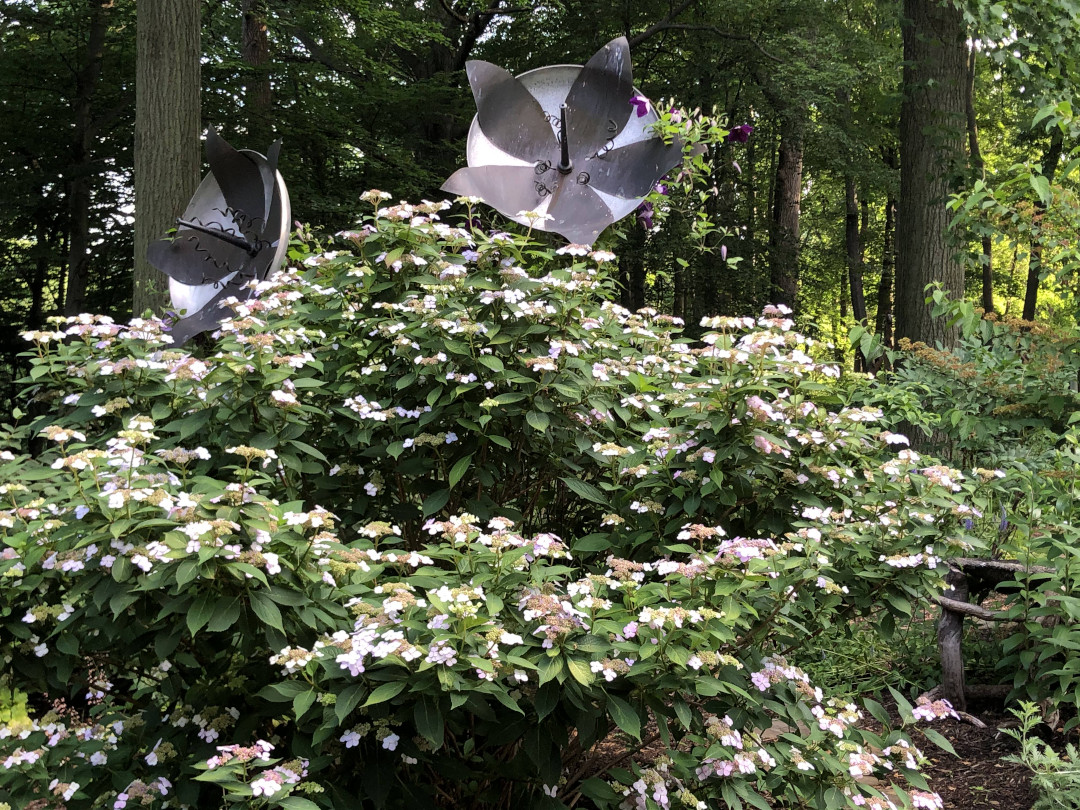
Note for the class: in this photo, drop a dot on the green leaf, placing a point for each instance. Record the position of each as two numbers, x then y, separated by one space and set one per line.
302 702
347 700
281 692
436 501
586 491
682 711
624 716
492 362
224 617
877 710
266 610
308 449
581 671
936 738
549 668
298 803
538 420
459 469
902 706
199 614
429 722
386 691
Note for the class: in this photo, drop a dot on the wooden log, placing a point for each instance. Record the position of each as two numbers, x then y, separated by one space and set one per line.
968 609
950 636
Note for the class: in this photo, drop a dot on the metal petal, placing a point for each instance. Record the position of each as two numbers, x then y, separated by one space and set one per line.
510 117
632 170
598 103
268 172
238 176
507 189
193 258
205 319
579 214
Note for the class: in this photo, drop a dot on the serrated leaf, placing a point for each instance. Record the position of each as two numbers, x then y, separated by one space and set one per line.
581 671
348 700
538 420
297 803
436 501
302 702
938 740
224 617
199 614
903 706
384 692
461 466
877 711
266 610
492 362
429 722
624 716
586 491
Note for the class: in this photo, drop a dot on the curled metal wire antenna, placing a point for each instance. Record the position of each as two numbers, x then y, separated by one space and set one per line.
567 141
233 232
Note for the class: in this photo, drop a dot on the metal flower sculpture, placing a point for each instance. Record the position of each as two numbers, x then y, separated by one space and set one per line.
567 141
234 230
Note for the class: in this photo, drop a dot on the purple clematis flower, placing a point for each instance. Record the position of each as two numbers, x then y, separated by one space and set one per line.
641 104
645 215
739 134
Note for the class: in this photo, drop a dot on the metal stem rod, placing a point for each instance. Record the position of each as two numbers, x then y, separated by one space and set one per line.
565 164
224 236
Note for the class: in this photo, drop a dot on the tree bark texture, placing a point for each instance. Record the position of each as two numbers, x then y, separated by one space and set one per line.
167 129
1035 264
978 166
853 242
81 172
950 638
884 323
258 94
932 124
787 202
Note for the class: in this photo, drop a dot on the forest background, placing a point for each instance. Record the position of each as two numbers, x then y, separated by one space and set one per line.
811 204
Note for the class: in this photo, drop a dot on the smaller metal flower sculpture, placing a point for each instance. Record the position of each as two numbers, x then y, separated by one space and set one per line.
234 231
572 144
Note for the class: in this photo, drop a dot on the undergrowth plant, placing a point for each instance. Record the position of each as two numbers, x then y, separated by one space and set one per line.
1056 778
433 520
1004 398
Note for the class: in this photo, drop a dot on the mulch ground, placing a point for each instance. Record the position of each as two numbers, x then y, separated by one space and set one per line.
977 778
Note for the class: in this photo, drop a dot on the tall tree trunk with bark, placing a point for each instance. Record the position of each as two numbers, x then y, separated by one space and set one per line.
1035 264
853 242
167 129
787 202
258 94
932 117
979 168
81 172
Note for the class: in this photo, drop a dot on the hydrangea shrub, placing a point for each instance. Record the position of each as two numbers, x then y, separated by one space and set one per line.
434 520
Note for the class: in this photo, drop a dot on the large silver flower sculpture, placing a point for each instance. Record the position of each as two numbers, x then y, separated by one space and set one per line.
234 231
571 143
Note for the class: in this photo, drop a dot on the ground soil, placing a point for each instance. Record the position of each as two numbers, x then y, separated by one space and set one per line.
978 779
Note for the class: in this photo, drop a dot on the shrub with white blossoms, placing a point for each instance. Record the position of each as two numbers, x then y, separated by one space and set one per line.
432 520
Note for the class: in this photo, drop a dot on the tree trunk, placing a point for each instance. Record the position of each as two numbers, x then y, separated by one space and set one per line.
1035 265
853 241
979 167
787 200
931 157
167 126
883 324
80 174
258 94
